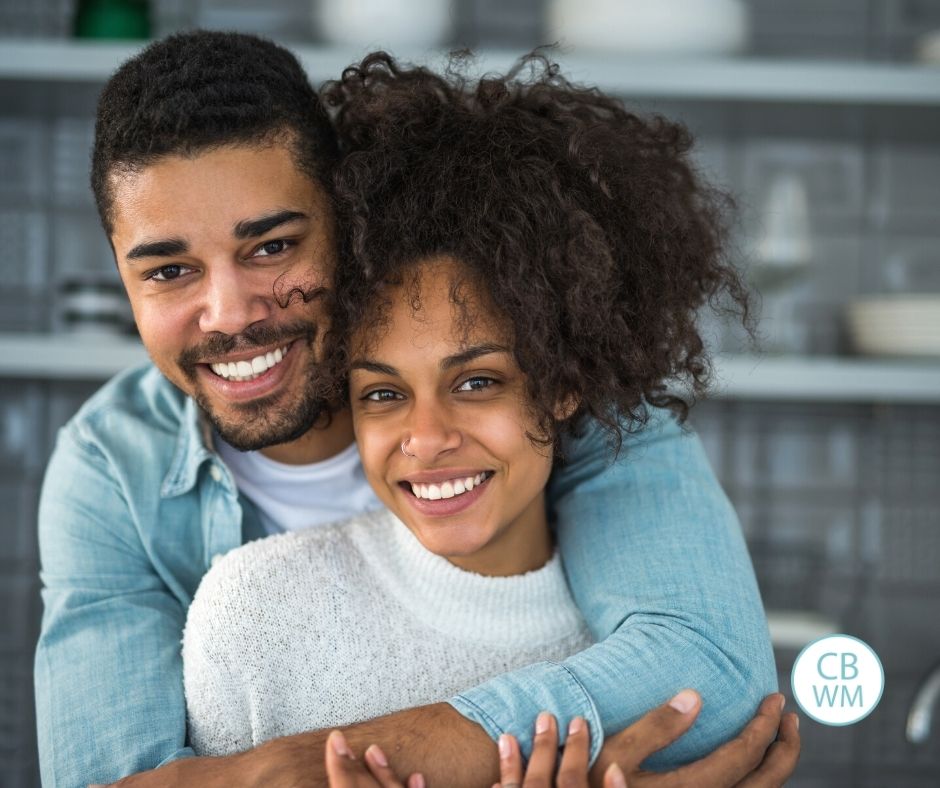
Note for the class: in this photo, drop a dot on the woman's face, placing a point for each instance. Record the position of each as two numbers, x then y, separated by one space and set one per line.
472 491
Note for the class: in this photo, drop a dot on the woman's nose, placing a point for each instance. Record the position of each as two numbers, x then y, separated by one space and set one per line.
431 432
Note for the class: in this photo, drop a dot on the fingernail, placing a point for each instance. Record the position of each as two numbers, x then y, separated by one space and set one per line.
340 747
783 702
505 747
542 722
416 781
796 721
575 726
615 776
377 755
684 702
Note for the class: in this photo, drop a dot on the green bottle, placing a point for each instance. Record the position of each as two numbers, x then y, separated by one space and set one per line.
112 19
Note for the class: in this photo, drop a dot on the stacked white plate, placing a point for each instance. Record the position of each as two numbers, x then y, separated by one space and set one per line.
903 325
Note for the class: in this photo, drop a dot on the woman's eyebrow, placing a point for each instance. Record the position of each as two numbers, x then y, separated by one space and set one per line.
472 353
465 356
373 366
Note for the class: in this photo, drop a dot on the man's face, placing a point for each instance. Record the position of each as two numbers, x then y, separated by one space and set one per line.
204 244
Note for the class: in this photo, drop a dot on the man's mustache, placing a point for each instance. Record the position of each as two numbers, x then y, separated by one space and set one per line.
215 345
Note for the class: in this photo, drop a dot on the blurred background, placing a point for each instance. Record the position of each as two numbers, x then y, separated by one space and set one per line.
823 118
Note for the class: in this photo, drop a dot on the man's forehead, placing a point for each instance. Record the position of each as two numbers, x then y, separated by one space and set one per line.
229 189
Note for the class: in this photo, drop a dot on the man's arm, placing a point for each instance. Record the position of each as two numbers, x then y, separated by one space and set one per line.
658 566
109 698
656 560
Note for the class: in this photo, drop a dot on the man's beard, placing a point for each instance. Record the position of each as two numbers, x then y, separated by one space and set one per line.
268 421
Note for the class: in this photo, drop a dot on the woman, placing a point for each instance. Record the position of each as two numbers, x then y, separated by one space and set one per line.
519 257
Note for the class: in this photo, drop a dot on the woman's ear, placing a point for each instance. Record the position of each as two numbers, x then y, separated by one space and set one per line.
566 407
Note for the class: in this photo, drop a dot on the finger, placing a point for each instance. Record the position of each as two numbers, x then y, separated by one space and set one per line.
541 767
781 759
342 769
416 781
574 762
654 730
510 761
614 777
732 762
379 768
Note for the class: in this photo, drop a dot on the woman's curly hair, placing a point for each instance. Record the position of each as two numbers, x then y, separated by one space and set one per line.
586 227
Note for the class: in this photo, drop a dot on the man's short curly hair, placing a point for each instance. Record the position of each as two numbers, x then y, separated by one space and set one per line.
194 91
585 226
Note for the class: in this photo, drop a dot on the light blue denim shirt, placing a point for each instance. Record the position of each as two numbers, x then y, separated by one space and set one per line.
135 506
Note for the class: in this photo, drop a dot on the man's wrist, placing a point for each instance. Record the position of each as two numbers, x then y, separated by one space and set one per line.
436 740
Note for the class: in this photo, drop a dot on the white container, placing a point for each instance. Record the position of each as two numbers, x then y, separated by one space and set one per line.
390 24
651 27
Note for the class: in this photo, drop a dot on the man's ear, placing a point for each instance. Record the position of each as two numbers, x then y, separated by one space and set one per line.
566 407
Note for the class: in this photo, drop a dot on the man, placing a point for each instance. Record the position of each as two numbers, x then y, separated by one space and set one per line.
211 174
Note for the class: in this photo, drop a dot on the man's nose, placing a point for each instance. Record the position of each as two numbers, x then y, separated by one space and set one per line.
431 431
232 301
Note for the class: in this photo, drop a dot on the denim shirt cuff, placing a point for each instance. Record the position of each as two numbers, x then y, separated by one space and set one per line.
510 703
184 752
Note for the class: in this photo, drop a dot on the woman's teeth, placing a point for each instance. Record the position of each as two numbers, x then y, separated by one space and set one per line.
249 370
434 492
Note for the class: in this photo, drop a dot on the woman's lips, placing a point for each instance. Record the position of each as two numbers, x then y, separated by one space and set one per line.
445 507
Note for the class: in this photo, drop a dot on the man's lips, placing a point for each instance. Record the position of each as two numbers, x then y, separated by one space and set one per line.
243 366
241 387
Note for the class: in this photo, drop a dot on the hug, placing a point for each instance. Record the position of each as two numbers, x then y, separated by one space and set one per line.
408 460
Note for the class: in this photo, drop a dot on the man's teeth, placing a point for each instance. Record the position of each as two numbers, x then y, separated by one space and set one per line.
448 489
249 370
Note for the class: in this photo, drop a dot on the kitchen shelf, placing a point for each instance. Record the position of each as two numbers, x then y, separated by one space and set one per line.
732 79
98 357
819 379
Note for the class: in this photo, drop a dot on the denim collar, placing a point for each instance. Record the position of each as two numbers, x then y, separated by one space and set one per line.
193 448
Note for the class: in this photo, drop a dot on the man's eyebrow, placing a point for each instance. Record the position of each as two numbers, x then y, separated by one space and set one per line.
472 353
253 228
450 362
170 247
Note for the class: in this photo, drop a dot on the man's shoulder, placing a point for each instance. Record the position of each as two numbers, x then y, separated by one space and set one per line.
136 403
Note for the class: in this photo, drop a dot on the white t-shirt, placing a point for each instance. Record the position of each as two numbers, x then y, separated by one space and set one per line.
294 497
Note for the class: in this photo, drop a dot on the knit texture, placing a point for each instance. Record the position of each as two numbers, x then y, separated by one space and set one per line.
347 622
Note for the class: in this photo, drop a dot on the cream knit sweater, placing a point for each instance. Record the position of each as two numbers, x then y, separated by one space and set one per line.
346 622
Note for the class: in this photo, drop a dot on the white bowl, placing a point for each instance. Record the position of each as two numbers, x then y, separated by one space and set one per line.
651 27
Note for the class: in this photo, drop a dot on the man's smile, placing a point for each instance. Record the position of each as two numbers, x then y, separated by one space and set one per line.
243 369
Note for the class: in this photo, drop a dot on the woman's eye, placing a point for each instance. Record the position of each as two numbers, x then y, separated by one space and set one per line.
381 395
476 384
270 248
168 273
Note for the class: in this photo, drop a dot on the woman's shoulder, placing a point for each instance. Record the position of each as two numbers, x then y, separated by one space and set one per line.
313 557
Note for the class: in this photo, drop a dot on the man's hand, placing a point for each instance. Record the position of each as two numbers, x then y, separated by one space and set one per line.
751 760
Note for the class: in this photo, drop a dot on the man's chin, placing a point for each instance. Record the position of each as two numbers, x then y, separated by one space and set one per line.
263 423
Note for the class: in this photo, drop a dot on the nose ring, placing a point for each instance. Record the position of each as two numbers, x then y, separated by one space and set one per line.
403 444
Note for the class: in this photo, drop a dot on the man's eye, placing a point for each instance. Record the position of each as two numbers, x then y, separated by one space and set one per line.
270 248
382 395
476 384
168 273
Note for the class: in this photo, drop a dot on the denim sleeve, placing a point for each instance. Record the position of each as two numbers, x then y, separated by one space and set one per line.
108 672
658 566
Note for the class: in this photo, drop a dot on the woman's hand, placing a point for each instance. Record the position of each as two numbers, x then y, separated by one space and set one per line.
752 760
573 770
